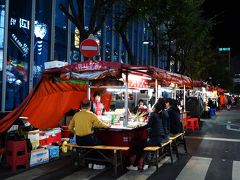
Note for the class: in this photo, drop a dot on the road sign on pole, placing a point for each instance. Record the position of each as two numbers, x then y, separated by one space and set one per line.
227 49
89 48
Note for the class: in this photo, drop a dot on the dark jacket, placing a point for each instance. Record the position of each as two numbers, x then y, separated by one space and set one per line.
157 124
174 120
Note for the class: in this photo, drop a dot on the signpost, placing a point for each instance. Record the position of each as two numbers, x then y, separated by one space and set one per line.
228 49
89 48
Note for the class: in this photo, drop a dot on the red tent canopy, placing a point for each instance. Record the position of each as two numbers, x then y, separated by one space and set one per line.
197 83
56 92
115 69
221 90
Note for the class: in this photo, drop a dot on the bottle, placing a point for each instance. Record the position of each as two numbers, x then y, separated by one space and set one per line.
112 120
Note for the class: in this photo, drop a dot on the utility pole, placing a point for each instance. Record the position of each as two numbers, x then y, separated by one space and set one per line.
228 49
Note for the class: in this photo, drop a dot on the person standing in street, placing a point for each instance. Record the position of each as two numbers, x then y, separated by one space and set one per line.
229 103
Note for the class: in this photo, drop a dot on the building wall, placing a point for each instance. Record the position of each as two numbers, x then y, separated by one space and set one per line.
39 32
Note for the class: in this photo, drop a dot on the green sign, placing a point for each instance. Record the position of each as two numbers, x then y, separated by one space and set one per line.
224 49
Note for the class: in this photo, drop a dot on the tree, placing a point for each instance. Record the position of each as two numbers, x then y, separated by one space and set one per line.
177 28
101 8
218 69
129 10
186 33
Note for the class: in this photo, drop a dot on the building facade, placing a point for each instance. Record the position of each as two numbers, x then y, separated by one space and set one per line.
36 31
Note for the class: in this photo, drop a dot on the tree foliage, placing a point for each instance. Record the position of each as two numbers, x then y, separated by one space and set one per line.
177 28
101 8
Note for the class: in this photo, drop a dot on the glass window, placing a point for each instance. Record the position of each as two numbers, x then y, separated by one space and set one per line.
136 40
2 14
61 33
108 38
75 55
145 46
42 33
18 52
116 45
123 52
140 44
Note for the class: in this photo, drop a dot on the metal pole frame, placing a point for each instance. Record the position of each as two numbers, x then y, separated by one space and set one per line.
126 101
156 90
184 98
69 24
31 59
52 45
88 91
5 40
229 60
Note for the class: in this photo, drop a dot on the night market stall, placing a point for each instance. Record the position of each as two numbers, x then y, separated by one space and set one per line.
63 89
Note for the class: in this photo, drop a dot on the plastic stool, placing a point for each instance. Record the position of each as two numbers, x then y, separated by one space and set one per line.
192 123
17 154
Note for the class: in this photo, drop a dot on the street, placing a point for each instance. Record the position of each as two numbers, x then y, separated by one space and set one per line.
213 153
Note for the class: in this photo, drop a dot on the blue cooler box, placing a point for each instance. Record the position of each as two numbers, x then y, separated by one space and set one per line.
53 151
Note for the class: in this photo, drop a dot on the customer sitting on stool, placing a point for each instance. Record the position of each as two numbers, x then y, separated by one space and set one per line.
83 123
174 117
158 132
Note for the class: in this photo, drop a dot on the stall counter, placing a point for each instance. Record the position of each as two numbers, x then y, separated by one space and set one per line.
122 136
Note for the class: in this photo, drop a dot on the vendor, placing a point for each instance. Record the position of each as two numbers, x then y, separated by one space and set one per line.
97 106
140 108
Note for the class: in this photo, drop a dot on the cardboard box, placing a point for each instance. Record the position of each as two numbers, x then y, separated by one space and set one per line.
33 136
39 156
54 64
53 151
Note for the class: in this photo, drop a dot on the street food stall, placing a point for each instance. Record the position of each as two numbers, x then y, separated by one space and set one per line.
62 89
127 129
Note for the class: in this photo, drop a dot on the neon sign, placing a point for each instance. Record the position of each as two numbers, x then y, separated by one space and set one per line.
22 23
40 31
22 46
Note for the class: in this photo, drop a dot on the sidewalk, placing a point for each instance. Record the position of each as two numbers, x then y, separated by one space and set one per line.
63 165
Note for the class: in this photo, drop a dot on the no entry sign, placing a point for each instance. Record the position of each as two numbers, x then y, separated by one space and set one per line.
89 48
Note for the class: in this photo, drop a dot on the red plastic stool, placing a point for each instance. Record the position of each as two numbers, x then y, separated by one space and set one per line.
192 123
17 154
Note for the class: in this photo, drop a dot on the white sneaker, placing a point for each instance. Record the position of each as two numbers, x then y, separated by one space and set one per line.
132 168
145 166
98 167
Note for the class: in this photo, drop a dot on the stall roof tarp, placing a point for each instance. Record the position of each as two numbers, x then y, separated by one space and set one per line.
197 83
115 69
48 102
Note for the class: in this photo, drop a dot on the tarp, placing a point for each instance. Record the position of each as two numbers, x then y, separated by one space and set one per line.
57 92
47 104
221 90
197 83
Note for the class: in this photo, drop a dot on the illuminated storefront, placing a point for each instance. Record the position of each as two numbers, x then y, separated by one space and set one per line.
36 31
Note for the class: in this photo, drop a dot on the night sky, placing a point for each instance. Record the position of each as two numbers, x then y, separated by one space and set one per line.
227 30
